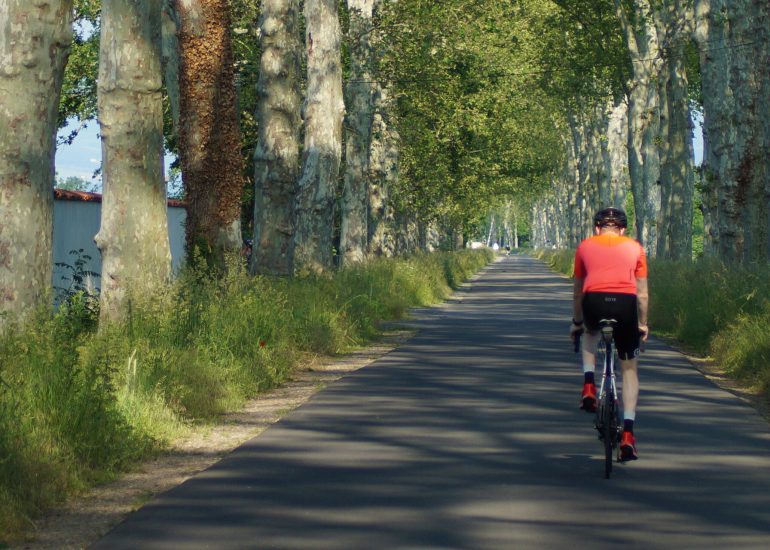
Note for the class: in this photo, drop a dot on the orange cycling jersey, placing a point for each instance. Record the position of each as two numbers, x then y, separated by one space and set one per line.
610 263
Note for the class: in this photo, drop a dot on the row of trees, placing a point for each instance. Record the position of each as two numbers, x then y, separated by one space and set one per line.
375 127
628 123
187 45
368 126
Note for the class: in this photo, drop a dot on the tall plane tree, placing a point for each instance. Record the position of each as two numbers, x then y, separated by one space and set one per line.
676 151
276 158
133 237
323 112
354 232
209 133
638 21
734 42
383 175
34 45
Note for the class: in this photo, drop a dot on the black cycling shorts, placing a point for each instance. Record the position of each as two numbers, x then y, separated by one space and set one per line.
622 308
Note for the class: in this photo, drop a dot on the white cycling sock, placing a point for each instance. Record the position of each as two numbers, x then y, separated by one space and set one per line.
629 415
588 368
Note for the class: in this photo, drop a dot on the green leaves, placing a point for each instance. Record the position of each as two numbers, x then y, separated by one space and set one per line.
78 98
473 118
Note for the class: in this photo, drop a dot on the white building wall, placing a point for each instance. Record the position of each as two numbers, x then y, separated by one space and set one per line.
76 223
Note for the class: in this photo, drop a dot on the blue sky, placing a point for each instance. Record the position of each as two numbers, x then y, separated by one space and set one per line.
84 156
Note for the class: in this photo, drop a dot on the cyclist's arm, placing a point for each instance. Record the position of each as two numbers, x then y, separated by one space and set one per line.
577 299
643 300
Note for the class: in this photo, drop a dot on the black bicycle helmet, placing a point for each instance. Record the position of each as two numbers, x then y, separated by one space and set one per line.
611 216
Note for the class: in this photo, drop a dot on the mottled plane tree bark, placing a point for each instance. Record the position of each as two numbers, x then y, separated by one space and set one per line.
359 95
638 22
383 176
674 22
734 41
133 237
276 158
323 113
384 155
209 131
616 153
35 41
170 58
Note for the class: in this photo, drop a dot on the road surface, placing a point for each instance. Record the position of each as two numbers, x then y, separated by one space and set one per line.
469 436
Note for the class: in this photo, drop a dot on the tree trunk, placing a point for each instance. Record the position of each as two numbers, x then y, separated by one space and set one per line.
676 153
515 231
571 190
276 158
735 60
354 230
133 237
323 112
677 170
170 52
209 131
34 44
643 118
408 233
717 105
600 174
383 176
617 154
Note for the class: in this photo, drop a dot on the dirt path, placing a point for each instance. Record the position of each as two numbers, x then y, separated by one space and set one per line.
84 520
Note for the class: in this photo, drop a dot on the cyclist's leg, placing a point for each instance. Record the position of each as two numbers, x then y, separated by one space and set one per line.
630 387
592 313
627 339
630 398
590 341
627 342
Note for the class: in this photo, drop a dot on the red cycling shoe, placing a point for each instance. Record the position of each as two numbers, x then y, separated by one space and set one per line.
628 447
588 399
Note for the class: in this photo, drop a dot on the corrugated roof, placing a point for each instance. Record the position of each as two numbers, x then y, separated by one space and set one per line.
83 196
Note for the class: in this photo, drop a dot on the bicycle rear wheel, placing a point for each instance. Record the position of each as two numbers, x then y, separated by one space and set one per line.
608 435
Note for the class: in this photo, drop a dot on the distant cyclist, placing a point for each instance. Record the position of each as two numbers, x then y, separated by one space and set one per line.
611 283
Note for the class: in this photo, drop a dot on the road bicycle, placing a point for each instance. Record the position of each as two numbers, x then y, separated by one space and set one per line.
607 420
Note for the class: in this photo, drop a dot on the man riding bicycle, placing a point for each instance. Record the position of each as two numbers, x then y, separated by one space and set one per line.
611 283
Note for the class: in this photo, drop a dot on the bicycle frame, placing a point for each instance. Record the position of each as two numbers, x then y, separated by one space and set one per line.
608 372
607 422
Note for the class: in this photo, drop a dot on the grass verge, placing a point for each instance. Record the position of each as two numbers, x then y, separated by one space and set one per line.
79 406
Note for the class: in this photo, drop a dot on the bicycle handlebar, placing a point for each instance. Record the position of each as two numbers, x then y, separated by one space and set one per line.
576 341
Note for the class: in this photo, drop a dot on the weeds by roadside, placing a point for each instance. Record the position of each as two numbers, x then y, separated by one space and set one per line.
78 406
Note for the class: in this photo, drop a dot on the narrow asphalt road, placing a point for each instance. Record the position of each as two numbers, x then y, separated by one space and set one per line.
469 436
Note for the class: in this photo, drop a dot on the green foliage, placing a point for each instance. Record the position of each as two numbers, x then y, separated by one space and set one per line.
85 404
471 126
698 225
561 261
75 183
581 51
60 427
78 98
742 348
692 302
716 310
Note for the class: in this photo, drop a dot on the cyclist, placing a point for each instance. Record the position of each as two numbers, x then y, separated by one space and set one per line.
611 283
